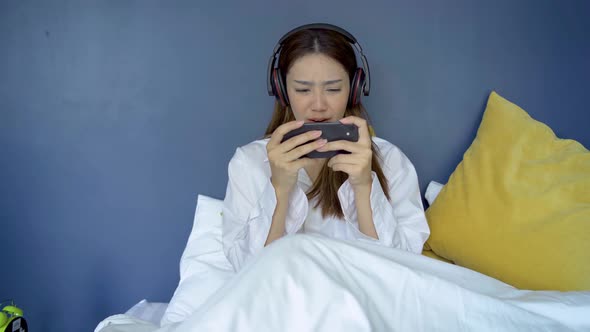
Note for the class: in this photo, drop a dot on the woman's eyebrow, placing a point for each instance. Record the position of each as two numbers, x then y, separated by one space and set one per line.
312 83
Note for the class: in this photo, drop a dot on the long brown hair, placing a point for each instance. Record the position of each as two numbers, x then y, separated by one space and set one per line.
334 45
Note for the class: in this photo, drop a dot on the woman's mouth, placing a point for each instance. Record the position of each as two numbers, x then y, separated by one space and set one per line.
317 120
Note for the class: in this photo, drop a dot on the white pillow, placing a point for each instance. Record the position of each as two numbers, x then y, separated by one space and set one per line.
204 267
148 311
432 191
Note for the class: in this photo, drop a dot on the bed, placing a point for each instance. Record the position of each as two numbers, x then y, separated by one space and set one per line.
509 250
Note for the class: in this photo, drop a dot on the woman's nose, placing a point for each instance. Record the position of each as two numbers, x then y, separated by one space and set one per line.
319 102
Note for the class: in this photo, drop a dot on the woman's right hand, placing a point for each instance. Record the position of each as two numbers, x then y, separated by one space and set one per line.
285 158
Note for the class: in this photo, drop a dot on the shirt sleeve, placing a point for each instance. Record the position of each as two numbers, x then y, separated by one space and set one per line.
399 222
249 205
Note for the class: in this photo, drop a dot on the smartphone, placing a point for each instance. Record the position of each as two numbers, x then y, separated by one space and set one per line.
331 131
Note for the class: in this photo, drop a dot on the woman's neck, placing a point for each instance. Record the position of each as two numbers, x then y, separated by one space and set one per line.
313 170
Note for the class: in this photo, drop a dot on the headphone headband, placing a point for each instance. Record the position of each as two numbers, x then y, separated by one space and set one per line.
349 37
326 26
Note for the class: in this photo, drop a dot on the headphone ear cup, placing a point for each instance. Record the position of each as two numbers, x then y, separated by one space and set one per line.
3 319
279 88
356 87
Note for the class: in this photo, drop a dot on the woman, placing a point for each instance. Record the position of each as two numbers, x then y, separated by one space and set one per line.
370 194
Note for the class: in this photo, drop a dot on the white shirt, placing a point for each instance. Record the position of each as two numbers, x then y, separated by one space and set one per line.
250 202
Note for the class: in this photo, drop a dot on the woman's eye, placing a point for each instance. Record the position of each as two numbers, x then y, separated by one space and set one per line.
302 90
334 90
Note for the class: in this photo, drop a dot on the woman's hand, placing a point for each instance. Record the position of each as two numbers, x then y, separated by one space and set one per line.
285 158
357 164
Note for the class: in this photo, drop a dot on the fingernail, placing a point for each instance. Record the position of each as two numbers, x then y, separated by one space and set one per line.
317 133
322 143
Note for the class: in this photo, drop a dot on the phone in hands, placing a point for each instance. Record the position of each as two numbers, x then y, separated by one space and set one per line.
331 131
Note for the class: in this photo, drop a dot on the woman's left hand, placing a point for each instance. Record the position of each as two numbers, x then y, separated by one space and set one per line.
357 164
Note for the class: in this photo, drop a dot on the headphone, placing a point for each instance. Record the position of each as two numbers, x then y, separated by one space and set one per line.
361 81
11 319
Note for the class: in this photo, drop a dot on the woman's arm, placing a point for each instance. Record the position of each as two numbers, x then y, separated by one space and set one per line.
362 199
252 213
399 222
277 227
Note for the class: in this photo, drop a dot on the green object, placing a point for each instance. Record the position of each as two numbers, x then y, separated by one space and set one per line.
11 319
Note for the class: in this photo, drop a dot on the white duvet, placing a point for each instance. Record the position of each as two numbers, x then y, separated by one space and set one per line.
313 283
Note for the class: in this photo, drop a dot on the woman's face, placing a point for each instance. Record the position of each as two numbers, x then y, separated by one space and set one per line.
318 88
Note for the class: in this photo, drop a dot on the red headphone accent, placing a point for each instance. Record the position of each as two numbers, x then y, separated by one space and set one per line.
278 87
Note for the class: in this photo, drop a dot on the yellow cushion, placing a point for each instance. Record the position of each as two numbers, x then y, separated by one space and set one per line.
517 207
431 254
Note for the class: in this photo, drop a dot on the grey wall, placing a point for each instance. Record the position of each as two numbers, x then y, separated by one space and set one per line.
115 115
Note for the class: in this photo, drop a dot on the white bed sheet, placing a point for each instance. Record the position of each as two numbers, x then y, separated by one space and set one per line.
310 283
144 315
